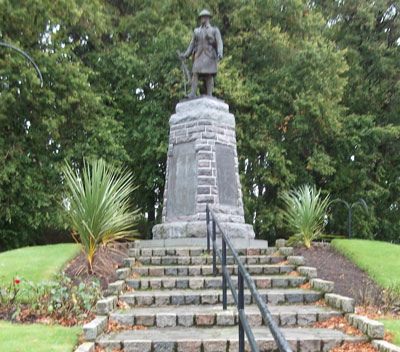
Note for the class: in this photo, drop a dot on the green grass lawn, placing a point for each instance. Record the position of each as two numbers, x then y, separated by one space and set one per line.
380 260
35 263
393 326
37 338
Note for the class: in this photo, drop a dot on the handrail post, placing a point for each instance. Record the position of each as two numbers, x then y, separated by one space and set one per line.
214 236
240 307
208 231
224 295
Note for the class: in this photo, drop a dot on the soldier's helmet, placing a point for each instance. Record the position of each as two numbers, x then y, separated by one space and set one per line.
204 12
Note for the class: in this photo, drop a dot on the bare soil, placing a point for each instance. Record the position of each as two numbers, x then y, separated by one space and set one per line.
349 279
106 261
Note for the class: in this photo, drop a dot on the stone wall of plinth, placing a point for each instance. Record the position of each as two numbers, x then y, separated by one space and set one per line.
202 167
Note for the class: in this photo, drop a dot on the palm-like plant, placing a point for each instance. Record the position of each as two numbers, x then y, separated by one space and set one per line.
98 206
304 214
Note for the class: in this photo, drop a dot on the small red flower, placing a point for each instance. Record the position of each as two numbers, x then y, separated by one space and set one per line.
17 281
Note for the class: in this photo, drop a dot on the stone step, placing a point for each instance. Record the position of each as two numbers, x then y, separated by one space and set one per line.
193 297
198 242
220 339
209 315
207 270
193 251
202 260
198 283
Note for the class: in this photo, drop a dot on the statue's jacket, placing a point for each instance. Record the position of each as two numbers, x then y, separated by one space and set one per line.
205 47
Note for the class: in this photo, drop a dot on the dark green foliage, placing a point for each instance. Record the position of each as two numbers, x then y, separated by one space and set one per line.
316 101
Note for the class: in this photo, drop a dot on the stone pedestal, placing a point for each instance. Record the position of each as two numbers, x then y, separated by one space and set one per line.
202 167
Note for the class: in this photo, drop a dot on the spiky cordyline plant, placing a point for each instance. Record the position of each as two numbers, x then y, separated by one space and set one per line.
98 207
304 214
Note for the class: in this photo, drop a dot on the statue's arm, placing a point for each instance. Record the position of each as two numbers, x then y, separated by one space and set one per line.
190 48
220 45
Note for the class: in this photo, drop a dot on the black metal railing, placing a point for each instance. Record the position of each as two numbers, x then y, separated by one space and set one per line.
238 297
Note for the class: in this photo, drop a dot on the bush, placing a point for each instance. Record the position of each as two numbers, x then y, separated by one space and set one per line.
98 206
61 299
304 214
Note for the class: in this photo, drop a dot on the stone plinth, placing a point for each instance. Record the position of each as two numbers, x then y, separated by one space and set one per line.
202 168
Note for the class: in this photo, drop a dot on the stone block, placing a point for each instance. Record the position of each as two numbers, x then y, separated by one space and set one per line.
145 300
137 346
144 260
225 318
194 271
182 283
128 262
192 299
189 346
280 243
94 328
182 252
206 270
184 260
156 260
115 288
196 283
155 283
123 273
322 285
286 251
288 319
140 271
372 328
384 346
122 318
146 252
158 252
162 299
296 260
164 320
209 298
185 319
310 345
183 271
133 252
254 319
171 271
168 260
178 299
280 282
106 305
145 319
163 346
306 319
154 271
276 298
217 345
307 271
168 283
205 319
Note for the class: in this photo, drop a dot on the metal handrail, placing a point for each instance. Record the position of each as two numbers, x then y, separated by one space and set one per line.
238 297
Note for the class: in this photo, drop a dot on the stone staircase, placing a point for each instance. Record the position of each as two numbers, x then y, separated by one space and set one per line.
166 299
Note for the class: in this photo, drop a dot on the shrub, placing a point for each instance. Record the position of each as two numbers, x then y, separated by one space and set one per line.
98 206
304 214
60 299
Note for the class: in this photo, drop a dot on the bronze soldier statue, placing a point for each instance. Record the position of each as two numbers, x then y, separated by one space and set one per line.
206 49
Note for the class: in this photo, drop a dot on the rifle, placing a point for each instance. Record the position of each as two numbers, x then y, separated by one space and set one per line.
187 79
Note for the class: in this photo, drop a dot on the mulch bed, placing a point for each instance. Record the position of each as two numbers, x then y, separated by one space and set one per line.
349 279
106 261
